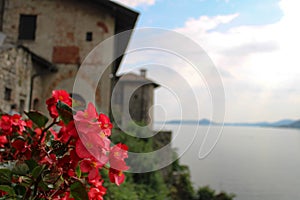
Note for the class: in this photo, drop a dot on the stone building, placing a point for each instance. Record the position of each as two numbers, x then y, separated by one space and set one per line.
16 66
46 42
133 98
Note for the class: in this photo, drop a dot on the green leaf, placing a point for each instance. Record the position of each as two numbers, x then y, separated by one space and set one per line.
78 172
20 168
10 191
65 112
49 138
36 172
31 164
38 118
5 176
43 185
20 190
49 178
59 182
78 191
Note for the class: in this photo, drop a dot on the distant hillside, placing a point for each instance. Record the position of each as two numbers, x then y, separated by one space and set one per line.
295 124
193 122
263 124
206 122
283 122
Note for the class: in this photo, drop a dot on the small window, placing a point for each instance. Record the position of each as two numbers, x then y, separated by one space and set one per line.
89 36
22 106
7 94
36 104
27 27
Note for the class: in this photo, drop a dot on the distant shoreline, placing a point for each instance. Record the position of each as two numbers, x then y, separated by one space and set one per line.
285 123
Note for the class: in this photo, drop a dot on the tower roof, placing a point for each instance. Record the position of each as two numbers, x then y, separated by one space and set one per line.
134 78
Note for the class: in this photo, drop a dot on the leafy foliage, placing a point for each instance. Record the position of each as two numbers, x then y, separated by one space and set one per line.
206 193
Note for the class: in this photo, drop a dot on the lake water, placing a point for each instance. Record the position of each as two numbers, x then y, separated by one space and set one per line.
254 163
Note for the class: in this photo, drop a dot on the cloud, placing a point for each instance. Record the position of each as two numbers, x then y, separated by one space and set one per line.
251 48
257 56
246 47
135 3
205 23
259 65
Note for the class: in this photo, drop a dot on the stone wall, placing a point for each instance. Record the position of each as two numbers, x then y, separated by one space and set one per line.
133 98
140 104
133 103
15 73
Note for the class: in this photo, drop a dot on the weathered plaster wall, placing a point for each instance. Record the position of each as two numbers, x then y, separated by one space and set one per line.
61 27
15 72
132 99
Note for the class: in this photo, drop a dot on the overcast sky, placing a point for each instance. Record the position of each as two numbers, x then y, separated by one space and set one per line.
252 43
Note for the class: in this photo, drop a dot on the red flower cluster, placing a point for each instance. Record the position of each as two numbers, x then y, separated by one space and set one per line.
57 95
14 127
62 160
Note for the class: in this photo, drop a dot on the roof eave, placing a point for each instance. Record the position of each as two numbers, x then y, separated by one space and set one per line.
40 60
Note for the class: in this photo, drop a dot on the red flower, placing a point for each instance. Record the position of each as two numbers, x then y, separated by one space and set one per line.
74 159
119 151
90 114
38 131
66 197
68 162
71 173
68 131
51 106
97 192
29 123
62 95
116 176
92 167
91 149
88 127
117 164
105 124
21 148
49 159
16 121
57 95
6 124
117 155
2 193
93 142
88 121
3 141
